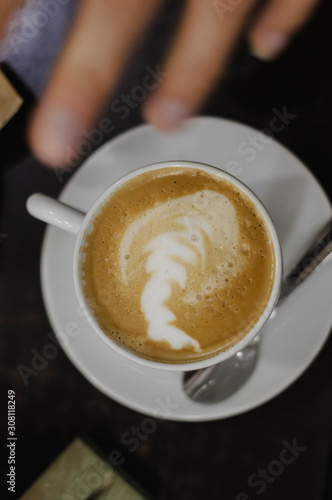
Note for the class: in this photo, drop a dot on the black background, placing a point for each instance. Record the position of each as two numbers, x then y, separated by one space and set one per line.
179 460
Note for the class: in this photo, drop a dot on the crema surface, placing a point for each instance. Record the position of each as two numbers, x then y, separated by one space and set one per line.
179 265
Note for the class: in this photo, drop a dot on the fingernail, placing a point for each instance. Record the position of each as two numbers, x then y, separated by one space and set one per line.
167 113
58 135
271 44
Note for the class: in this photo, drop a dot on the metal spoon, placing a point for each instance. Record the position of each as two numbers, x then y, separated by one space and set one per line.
218 382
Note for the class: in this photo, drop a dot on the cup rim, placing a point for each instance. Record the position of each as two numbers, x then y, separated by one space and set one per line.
190 365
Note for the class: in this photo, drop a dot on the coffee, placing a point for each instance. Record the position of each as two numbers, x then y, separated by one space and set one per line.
179 265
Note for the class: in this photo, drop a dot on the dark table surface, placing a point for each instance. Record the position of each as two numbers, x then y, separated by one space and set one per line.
211 460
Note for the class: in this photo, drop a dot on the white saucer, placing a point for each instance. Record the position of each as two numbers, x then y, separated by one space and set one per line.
299 208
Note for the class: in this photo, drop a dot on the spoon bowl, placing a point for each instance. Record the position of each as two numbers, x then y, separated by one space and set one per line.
219 381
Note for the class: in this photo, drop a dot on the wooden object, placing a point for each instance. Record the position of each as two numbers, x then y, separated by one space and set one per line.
10 101
80 473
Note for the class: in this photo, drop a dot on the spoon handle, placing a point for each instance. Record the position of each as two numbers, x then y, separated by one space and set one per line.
316 253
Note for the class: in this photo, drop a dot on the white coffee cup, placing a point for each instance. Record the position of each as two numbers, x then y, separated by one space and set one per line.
79 224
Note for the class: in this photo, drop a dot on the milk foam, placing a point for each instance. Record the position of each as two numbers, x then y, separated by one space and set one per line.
173 240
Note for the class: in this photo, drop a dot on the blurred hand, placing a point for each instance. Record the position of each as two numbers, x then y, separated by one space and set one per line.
100 42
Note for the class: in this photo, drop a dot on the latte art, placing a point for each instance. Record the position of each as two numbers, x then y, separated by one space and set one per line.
177 239
178 265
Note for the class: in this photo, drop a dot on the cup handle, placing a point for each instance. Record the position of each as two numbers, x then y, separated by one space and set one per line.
54 212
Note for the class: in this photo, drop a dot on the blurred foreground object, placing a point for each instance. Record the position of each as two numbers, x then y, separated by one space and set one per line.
16 102
10 100
80 472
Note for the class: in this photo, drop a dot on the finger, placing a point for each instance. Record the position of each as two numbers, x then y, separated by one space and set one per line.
85 74
274 28
7 8
199 56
